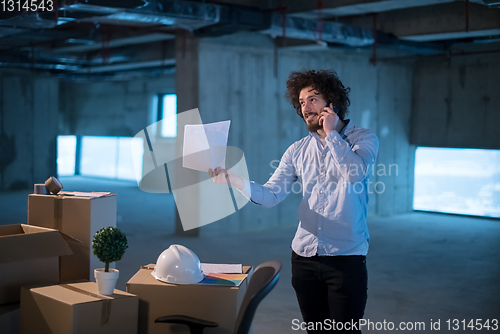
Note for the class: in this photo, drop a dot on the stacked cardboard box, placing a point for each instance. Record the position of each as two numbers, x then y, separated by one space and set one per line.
77 308
28 255
77 217
56 247
217 303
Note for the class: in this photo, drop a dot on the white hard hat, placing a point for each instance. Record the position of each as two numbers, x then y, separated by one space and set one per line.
179 265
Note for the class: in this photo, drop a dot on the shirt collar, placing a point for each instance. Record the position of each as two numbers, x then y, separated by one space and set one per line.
347 128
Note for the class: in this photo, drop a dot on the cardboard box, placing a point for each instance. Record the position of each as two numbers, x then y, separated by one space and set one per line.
208 302
77 308
79 218
28 255
9 318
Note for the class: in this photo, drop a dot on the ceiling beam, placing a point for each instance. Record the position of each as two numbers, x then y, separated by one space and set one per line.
335 8
438 22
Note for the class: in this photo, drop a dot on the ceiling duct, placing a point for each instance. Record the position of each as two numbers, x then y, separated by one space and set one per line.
492 3
31 21
28 33
185 14
339 34
125 4
175 14
20 18
87 8
234 19
329 32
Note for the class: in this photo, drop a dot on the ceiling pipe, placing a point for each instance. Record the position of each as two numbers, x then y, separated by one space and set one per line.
467 15
176 14
155 37
449 54
336 34
128 66
206 19
492 3
332 32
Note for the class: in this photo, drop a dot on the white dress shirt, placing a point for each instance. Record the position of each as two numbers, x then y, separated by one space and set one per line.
335 181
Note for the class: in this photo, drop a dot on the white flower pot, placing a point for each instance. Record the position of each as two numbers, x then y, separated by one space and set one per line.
106 281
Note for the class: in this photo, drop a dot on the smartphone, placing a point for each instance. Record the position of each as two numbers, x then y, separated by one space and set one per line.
335 109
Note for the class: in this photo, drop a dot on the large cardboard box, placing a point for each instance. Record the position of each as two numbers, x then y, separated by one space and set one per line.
9 318
28 255
79 218
208 302
77 308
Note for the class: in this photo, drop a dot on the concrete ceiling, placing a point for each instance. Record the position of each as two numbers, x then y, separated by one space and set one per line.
106 37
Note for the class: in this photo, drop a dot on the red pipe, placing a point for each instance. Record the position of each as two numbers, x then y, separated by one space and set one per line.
56 10
284 25
320 20
467 15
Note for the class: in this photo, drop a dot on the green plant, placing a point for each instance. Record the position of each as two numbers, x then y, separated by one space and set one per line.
109 245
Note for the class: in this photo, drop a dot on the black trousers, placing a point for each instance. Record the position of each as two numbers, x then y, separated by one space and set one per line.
330 287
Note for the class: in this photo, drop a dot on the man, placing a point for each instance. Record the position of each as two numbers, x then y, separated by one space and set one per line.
333 164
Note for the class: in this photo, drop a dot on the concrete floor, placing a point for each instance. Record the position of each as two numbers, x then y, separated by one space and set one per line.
423 267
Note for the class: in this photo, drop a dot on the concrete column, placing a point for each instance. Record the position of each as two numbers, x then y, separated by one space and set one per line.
187 90
45 127
28 129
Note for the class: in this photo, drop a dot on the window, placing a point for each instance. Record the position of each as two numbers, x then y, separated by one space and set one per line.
165 110
169 129
99 156
66 154
462 181
110 157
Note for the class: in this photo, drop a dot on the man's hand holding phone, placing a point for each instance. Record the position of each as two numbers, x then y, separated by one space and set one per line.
328 119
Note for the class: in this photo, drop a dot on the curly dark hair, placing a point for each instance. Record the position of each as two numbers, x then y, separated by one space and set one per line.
326 82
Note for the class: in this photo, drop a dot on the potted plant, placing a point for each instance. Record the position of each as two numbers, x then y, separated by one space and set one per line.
109 245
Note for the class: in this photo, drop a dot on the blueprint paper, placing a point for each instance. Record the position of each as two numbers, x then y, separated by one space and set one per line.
204 146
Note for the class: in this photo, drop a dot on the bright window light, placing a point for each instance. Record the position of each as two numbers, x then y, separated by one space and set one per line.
111 157
461 181
66 153
137 151
169 114
154 113
99 156
125 167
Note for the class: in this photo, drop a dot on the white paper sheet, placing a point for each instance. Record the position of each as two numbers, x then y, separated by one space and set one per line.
205 145
216 268
83 194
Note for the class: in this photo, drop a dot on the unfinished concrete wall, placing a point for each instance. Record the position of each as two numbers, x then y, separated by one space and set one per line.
28 129
238 82
456 102
110 108
394 173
